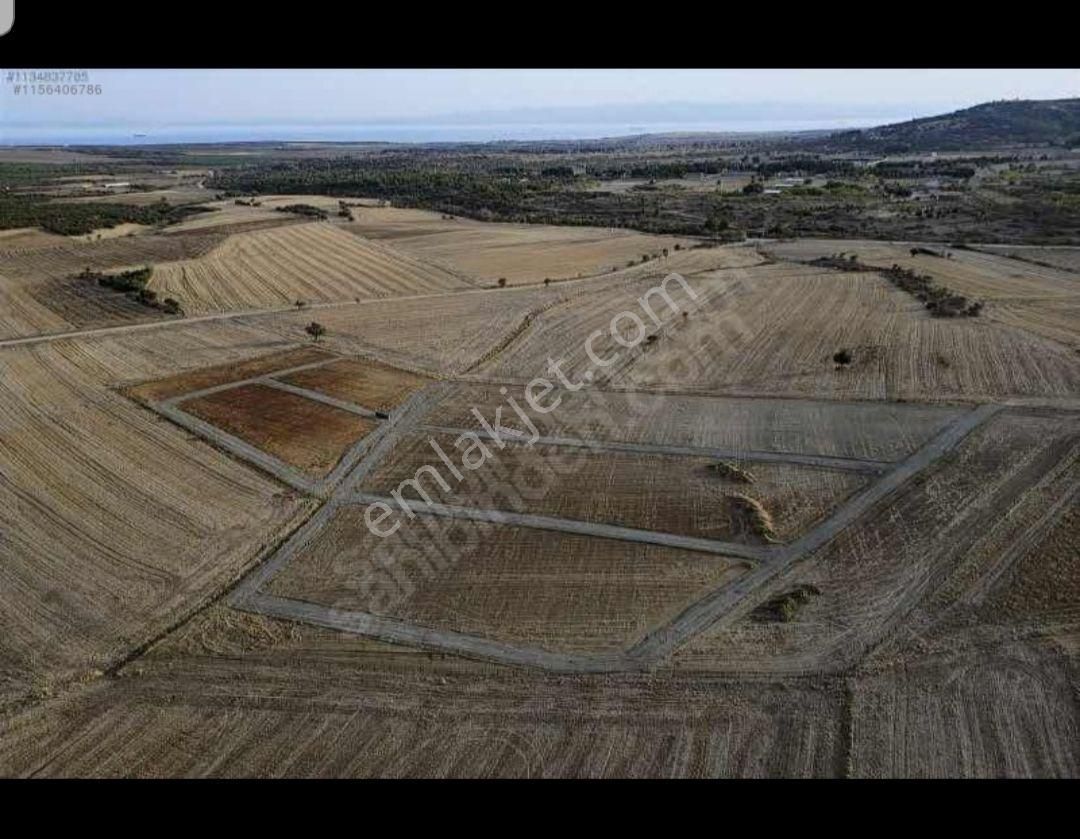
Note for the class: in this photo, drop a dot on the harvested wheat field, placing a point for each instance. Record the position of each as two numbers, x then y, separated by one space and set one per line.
729 556
1034 565
554 591
670 494
314 703
369 384
896 574
229 216
22 314
1011 716
40 307
1058 321
520 253
115 523
28 238
632 301
444 334
185 355
84 304
309 435
778 329
374 222
973 273
1065 258
854 430
485 332
117 232
314 262
40 292
62 261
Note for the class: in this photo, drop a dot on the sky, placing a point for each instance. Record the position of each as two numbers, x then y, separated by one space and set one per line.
155 98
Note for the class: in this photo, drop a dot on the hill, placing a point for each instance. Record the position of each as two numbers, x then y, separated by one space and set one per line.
990 125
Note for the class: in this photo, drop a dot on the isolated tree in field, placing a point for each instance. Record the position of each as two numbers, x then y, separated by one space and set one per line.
315 330
842 358
502 282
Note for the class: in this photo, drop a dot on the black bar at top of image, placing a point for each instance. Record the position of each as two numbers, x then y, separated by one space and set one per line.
212 35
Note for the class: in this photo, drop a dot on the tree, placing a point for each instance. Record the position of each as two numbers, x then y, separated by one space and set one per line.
716 222
502 282
315 330
842 358
300 304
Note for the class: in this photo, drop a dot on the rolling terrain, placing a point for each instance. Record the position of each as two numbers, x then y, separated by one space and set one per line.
726 553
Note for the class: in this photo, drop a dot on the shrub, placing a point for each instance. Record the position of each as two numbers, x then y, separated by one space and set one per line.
784 606
752 514
732 472
303 210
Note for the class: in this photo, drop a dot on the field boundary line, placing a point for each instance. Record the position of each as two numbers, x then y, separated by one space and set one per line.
245 451
315 396
362 458
724 602
657 644
262 378
395 631
585 528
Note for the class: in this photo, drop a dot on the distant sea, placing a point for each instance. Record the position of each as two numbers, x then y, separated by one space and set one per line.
399 133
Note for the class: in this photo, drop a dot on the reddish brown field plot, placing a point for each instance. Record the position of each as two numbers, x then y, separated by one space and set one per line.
308 435
221 374
367 383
